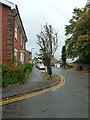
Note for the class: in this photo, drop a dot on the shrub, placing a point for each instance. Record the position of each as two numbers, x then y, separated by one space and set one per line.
69 66
15 74
26 74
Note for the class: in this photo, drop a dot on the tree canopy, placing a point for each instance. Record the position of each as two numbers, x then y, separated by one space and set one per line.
78 34
48 43
64 56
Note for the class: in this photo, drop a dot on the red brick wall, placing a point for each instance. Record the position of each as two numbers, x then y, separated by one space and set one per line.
17 42
27 56
5 36
5 11
0 34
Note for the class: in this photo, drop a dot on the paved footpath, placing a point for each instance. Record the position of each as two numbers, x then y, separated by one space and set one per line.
36 80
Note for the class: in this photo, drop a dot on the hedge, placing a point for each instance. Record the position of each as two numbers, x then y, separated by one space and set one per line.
15 74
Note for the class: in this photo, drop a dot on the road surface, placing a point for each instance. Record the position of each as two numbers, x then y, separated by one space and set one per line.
68 101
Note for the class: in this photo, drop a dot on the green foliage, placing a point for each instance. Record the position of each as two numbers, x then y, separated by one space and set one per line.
64 56
85 54
78 33
48 43
72 34
69 66
15 74
26 74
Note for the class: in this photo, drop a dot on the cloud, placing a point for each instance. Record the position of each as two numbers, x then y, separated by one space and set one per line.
35 13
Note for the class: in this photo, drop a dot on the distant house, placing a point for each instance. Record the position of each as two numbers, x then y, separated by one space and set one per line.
28 56
54 60
78 65
13 37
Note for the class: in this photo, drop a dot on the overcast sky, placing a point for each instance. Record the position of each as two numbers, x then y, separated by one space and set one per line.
36 13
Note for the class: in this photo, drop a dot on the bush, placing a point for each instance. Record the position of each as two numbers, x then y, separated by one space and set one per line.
69 66
15 74
26 74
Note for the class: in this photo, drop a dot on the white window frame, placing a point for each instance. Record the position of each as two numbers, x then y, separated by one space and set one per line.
22 56
16 56
16 27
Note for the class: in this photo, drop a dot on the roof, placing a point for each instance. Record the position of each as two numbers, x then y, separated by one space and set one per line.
15 11
28 51
7 3
77 61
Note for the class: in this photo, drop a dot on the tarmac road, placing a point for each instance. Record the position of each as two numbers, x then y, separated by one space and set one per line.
68 101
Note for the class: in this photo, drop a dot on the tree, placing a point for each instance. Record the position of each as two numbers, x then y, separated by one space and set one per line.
64 56
78 34
72 34
83 42
48 43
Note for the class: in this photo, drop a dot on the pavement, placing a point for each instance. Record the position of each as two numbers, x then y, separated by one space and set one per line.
35 81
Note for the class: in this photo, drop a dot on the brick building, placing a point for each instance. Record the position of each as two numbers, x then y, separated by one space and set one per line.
28 56
78 65
12 37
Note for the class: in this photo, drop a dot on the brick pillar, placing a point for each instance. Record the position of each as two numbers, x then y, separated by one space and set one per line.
10 37
0 33
0 58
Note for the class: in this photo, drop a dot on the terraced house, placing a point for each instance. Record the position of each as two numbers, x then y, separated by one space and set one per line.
13 36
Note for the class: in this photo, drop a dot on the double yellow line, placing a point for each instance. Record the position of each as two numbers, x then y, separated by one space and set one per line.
28 95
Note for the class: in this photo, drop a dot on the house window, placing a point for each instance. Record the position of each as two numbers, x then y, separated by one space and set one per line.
21 39
16 52
16 26
22 57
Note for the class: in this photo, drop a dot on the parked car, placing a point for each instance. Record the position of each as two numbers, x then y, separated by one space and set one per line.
40 66
37 65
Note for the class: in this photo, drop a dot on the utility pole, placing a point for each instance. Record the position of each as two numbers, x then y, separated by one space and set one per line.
32 55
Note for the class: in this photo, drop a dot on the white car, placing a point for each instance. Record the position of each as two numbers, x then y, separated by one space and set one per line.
41 66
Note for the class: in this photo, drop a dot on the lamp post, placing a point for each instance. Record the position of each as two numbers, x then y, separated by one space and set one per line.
31 54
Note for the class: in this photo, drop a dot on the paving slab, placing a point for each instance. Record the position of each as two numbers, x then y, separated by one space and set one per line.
36 80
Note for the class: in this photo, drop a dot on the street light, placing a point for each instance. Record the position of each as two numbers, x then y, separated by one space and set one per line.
31 52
